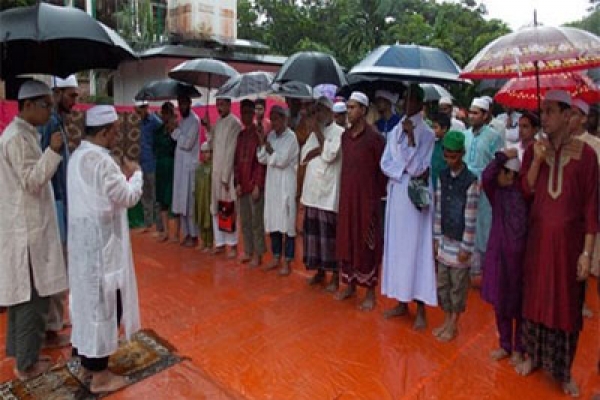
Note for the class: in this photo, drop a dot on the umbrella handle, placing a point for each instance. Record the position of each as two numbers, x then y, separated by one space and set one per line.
208 97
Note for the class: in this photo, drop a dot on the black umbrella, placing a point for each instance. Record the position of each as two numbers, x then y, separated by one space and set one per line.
166 89
409 63
48 39
205 72
369 84
293 89
312 68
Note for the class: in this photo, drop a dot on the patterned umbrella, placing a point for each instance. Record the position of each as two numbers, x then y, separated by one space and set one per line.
543 49
523 92
248 84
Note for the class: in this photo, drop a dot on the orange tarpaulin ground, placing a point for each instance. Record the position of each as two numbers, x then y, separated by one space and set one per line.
254 335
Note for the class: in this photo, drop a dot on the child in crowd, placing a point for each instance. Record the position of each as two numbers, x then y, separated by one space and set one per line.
502 284
203 217
456 200
440 125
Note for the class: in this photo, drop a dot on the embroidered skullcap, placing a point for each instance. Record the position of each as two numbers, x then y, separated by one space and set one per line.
339 107
454 141
582 105
280 110
561 96
445 101
488 99
389 96
480 103
33 88
68 82
360 98
100 115
513 164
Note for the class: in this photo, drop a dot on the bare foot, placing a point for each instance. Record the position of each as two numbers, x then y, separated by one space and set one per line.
272 265
106 382
334 283
162 238
201 247
217 250
368 303
571 388
232 253
400 310
439 330
499 354
256 261
586 311
316 278
286 269
56 341
175 240
39 368
525 368
207 249
448 335
516 358
347 293
420 322
245 258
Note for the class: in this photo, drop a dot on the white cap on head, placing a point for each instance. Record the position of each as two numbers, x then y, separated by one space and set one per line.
513 164
223 97
280 110
205 146
141 103
480 103
445 101
389 96
33 88
100 115
68 82
582 105
562 96
360 97
325 101
488 99
339 107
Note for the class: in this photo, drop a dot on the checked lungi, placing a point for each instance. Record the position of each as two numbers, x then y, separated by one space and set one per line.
319 239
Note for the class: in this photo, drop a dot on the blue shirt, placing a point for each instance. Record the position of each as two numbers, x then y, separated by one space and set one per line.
59 180
148 127
384 127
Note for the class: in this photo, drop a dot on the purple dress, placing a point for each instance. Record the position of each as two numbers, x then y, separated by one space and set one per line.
502 284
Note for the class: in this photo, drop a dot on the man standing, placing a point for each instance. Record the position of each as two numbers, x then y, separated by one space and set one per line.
408 266
279 152
149 123
385 102
322 154
187 154
65 93
101 272
445 106
249 179
262 122
481 144
223 138
32 266
560 177
359 242
340 114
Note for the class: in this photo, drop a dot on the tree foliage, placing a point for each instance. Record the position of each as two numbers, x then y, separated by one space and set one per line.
592 21
6 4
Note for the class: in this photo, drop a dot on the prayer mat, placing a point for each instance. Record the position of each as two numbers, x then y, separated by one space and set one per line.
144 355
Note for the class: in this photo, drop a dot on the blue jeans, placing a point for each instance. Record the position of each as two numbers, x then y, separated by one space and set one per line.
277 245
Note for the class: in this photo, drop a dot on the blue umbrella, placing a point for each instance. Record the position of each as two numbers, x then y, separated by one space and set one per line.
409 63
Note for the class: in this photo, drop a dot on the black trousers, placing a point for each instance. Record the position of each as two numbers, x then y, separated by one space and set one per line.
100 364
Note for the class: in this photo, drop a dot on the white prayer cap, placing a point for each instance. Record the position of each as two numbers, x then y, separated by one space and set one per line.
339 107
389 96
280 110
561 96
325 101
360 98
33 88
582 105
480 103
513 164
205 146
68 82
100 115
445 101
141 103
223 97
488 99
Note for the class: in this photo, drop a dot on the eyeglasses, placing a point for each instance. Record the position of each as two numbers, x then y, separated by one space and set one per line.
43 104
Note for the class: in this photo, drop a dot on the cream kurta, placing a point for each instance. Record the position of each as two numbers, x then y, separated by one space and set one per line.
223 138
28 227
322 180
100 259
280 186
187 154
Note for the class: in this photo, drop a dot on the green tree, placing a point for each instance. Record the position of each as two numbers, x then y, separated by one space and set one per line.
591 22
6 4
138 26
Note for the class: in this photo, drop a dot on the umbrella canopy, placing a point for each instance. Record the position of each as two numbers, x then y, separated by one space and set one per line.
248 84
48 39
434 92
409 63
205 72
311 68
523 92
166 89
293 89
369 84
552 49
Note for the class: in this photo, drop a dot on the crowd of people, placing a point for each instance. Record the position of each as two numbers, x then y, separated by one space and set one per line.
378 189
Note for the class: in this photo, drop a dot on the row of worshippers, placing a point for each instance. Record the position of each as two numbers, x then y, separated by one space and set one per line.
95 192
